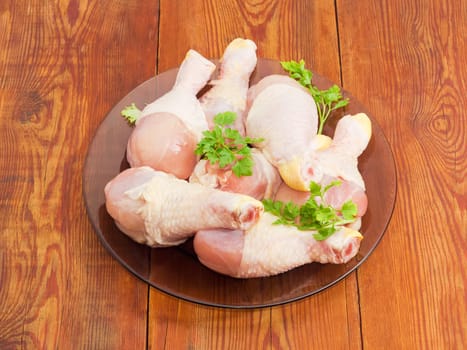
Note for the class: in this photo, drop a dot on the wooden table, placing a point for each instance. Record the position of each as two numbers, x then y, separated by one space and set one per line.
64 64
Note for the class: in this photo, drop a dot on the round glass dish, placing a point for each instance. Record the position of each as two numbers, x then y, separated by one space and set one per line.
176 270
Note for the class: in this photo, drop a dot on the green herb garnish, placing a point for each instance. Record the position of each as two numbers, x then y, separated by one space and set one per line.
314 214
226 146
326 100
131 113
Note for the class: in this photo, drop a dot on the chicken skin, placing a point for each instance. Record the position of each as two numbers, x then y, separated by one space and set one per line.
168 129
263 183
157 209
266 249
229 91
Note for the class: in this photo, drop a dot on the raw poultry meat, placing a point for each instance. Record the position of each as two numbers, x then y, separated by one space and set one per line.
229 91
168 129
181 101
266 249
286 116
336 196
340 159
233 234
163 142
269 80
283 113
158 209
263 183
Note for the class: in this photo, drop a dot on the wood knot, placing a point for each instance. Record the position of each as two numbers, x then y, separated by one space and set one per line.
30 105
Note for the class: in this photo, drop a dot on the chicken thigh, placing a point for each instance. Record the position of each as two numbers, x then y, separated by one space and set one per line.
229 91
168 129
158 209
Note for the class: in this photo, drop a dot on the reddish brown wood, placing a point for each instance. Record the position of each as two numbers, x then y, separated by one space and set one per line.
282 30
63 65
412 78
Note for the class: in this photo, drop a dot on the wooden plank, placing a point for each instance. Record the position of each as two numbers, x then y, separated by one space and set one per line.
411 75
63 65
282 30
328 320
174 324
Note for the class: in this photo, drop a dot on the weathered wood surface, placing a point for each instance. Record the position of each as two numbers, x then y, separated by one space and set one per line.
64 64
412 76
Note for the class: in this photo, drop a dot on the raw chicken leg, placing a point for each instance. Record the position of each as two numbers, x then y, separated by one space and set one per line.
263 183
266 249
158 209
169 128
181 101
336 196
163 142
283 113
339 162
229 91
340 159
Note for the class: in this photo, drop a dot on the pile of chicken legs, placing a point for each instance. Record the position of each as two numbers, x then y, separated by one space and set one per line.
170 195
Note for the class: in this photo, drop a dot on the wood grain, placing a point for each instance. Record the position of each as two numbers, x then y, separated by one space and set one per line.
63 64
412 77
181 325
279 28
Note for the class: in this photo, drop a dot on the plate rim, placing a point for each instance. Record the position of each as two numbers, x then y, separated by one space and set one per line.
195 300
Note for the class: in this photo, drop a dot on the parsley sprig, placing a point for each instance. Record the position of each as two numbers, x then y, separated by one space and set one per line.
226 146
131 113
326 100
314 214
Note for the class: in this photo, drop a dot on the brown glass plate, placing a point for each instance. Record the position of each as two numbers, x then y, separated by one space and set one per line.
176 270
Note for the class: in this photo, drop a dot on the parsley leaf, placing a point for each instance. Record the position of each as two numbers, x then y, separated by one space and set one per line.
326 100
226 146
287 213
224 119
349 210
314 214
298 71
131 113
